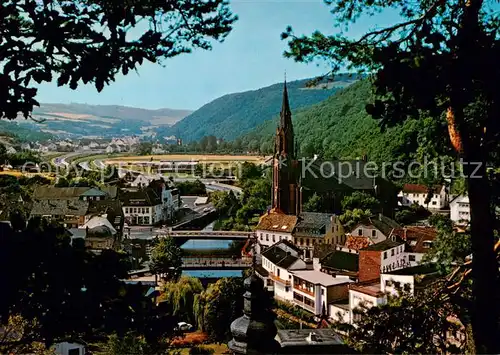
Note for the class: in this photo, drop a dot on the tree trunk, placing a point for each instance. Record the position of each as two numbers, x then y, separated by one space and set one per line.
484 265
484 313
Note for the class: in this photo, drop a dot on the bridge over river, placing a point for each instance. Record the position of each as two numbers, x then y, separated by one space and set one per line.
184 235
213 263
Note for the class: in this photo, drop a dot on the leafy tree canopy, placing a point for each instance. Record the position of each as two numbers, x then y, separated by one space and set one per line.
360 200
89 41
313 204
180 295
217 306
440 60
166 259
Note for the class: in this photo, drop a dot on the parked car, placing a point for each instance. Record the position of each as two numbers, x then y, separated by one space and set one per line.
185 327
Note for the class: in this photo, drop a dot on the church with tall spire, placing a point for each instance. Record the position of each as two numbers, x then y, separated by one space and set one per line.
286 196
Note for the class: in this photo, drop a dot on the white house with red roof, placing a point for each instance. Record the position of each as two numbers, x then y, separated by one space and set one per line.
417 194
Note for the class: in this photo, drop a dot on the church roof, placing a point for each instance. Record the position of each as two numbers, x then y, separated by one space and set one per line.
277 222
351 173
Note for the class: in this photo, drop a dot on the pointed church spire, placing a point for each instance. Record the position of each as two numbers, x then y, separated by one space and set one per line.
286 113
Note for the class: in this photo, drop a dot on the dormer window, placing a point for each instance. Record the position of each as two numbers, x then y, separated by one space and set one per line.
283 227
427 244
275 226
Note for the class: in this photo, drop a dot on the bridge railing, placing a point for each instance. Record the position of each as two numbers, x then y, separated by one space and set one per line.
223 262
215 233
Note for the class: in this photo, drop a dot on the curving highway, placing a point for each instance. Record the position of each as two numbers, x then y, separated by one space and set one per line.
65 160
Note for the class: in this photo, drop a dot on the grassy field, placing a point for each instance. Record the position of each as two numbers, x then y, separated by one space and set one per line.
189 157
19 173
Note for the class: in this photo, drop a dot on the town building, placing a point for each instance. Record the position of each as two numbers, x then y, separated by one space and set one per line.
149 200
142 206
369 293
279 261
314 228
74 206
418 241
306 230
340 262
372 230
100 234
89 213
274 227
255 332
314 290
381 257
418 194
460 210
336 179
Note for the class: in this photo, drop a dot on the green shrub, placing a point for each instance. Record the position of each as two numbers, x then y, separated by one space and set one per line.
201 350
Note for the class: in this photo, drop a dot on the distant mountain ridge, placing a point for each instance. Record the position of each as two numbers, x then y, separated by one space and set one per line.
100 120
340 128
233 115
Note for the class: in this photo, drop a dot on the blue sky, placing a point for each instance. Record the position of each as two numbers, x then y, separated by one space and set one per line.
249 58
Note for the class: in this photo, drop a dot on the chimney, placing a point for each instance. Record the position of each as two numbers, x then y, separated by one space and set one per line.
309 264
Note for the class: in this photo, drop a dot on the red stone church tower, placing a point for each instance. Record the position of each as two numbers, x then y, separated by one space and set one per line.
286 196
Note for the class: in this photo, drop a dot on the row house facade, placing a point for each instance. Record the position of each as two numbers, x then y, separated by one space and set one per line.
306 230
294 280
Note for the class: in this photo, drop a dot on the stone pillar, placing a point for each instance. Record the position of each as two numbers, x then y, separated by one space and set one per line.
254 332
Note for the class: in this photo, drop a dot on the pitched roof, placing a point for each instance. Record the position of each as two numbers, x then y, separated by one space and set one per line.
460 199
93 192
420 189
97 221
341 260
323 249
357 243
62 193
381 222
60 208
423 269
385 245
279 256
351 173
312 223
415 236
111 191
277 222
140 197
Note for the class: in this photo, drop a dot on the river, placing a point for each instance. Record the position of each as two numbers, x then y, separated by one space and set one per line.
207 245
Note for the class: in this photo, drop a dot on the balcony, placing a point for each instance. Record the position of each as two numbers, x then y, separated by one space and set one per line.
301 289
278 279
305 306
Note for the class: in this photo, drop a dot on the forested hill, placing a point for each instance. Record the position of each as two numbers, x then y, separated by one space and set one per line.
339 127
232 115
